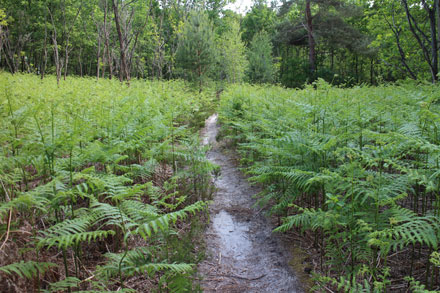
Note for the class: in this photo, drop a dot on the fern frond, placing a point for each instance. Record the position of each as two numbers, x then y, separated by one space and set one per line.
300 220
27 269
72 231
64 241
157 267
107 214
407 227
163 221
417 287
67 283
23 201
138 211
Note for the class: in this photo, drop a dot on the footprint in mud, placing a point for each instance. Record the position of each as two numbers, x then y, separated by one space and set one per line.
243 255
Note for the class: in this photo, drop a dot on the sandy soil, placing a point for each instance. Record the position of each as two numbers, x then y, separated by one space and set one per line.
243 255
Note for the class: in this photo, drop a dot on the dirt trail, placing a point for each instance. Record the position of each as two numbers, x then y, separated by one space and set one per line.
243 255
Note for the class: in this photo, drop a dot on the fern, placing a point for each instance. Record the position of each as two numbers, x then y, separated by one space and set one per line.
162 222
73 231
64 241
350 162
416 287
139 261
66 284
81 158
24 201
409 228
28 269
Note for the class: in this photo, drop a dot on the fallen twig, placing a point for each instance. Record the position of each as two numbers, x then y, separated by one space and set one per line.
7 231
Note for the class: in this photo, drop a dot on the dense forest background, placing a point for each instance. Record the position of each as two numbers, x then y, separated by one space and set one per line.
290 42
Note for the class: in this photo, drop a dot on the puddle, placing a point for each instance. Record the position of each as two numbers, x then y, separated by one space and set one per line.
243 255
235 242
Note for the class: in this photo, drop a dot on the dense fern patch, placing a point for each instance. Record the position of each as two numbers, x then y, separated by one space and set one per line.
98 181
356 171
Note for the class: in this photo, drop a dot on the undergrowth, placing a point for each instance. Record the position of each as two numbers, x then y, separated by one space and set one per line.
100 184
355 171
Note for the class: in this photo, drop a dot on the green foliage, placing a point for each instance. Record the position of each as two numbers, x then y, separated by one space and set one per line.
356 41
195 56
260 18
66 284
28 269
73 237
343 46
96 167
3 20
231 58
162 222
416 287
139 261
356 167
261 68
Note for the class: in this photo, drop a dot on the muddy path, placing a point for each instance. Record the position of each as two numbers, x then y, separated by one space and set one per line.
243 255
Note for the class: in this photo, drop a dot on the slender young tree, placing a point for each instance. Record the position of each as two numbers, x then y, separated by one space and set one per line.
128 30
426 41
123 70
232 54
397 31
261 67
195 54
311 38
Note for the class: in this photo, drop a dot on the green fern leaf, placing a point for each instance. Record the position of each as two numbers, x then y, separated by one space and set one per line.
27 269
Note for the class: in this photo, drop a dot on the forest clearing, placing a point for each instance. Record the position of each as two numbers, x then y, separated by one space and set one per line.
219 146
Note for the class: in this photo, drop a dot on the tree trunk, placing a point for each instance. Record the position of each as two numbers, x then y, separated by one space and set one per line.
98 55
430 56
123 66
437 8
44 63
55 48
66 58
311 39
103 63
80 62
56 53
56 57
396 31
402 56
106 41
434 45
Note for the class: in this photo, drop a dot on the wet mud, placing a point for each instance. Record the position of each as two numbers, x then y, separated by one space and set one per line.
243 255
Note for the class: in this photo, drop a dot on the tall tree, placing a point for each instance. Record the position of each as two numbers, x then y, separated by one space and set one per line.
196 53
397 30
232 54
63 17
261 67
427 41
129 26
310 37
320 30
123 69
260 18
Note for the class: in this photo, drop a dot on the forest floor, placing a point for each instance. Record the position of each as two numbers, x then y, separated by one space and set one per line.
243 255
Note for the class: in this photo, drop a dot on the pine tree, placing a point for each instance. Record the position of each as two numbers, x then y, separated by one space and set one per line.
261 67
195 55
